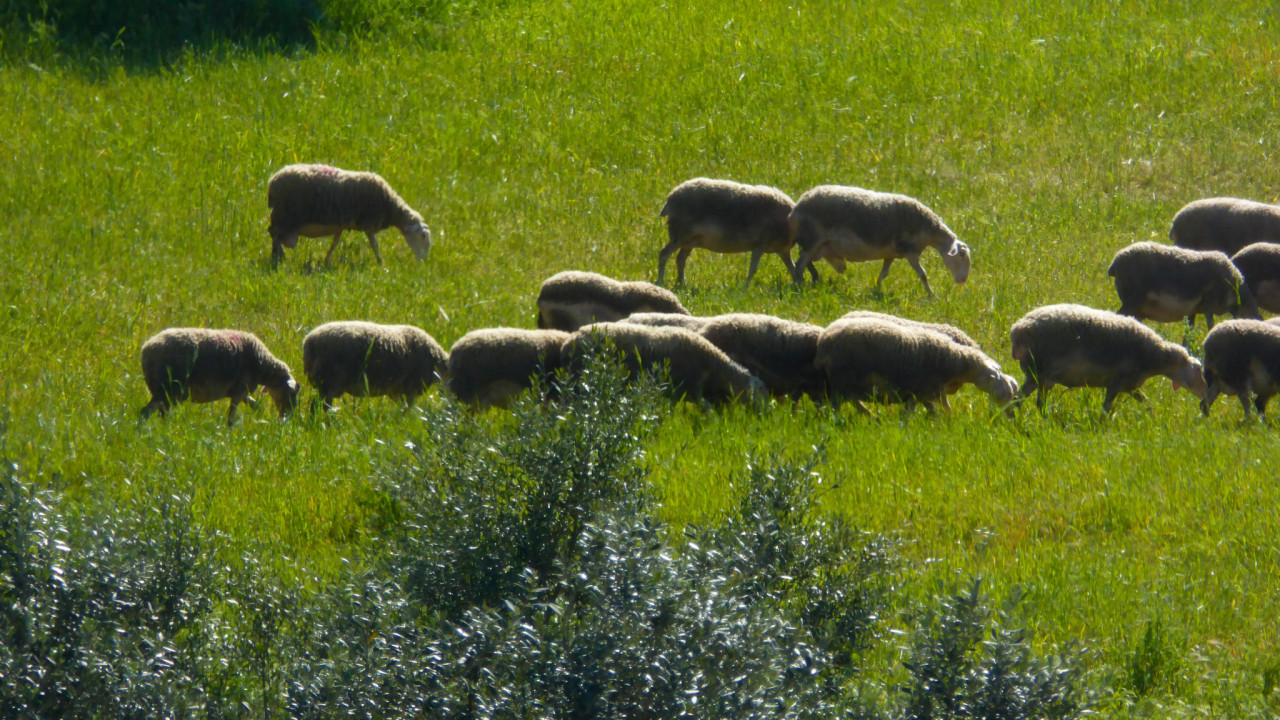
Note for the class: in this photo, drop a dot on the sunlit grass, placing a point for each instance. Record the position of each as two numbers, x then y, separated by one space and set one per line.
544 137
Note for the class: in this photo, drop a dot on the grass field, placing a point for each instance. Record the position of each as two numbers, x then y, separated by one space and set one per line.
541 137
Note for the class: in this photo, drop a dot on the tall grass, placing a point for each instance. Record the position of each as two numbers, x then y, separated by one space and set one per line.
536 138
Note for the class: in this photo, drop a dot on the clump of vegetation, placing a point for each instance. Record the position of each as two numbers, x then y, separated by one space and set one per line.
522 571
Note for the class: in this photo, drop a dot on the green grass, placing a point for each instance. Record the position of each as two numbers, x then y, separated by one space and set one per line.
536 138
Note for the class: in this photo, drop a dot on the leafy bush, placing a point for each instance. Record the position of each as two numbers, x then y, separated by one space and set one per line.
523 572
967 664
145 25
101 615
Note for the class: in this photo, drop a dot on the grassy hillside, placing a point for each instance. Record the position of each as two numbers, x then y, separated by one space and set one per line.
536 138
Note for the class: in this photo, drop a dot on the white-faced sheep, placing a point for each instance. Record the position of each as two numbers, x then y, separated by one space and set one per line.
319 201
366 359
841 223
570 299
1166 283
206 365
870 359
1260 265
779 352
1242 358
726 217
1225 224
1078 346
950 331
693 323
696 369
488 367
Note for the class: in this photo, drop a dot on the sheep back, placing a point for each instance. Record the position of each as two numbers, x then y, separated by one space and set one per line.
688 322
489 366
1226 224
868 358
1242 357
570 299
779 352
362 358
855 224
950 331
1079 346
725 217
697 369
1259 263
1168 283
204 365
319 200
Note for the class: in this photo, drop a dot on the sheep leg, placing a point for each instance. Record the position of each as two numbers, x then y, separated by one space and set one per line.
231 412
1260 402
373 244
681 257
914 261
786 260
334 246
663 255
755 263
157 403
1208 320
884 273
1210 394
1244 395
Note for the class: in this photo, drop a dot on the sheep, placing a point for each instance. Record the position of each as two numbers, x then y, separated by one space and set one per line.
1259 263
1079 346
568 300
841 223
367 359
1242 358
868 358
319 200
657 319
697 369
489 367
1225 224
779 352
1166 283
950 331
726 217
207 365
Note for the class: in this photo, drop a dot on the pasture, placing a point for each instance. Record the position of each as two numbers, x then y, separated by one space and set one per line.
539 137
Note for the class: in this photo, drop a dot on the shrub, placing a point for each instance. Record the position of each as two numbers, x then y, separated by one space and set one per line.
101 615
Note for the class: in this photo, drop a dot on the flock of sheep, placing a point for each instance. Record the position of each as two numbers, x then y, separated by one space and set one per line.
1225 260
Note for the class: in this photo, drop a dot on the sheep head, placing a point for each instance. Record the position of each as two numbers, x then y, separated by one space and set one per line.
956 258
418 235
284 396
1190 375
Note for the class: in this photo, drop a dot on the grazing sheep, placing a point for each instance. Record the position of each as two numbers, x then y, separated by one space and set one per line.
779 352
691 323
489 367
950 331
1242 358
726 217
1078 346
867 359
841 223
697 369
1166 283
1225 224
1260 265
318 201
365 359
568 300
207 365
